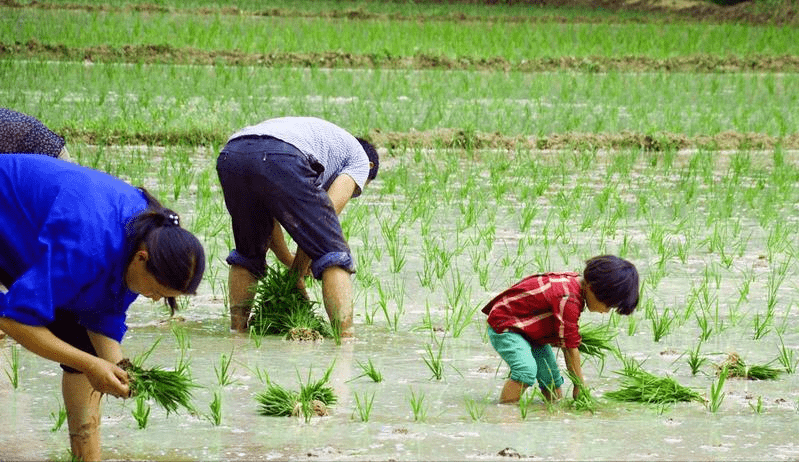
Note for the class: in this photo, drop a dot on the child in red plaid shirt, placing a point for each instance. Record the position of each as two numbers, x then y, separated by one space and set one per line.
543 310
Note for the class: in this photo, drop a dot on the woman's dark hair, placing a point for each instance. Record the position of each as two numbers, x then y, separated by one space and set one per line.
177 259
614 281
373 157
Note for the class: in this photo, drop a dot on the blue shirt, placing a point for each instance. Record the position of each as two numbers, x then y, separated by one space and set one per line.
63 242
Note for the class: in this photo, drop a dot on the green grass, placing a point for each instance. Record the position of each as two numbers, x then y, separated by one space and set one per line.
515 41
198 105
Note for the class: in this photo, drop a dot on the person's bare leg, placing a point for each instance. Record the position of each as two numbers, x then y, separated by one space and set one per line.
512 392
337 296
552 396
240 283
82 403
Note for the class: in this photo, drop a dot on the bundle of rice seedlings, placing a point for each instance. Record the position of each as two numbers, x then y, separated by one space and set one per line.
736 367
596 340
279 308
643 387
169 389
312 399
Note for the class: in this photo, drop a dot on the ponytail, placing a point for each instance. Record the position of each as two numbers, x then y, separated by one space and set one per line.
177 259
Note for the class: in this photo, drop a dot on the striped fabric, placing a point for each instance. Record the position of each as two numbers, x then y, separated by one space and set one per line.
545 308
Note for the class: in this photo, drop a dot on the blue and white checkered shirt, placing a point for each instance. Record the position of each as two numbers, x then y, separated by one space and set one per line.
330 145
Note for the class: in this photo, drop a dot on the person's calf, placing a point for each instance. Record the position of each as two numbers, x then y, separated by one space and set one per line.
512 391
337 296
240 284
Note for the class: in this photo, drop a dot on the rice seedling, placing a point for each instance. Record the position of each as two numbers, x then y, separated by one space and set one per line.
786 358
458 312
363 405
58 418
762 324
661 324
433 359
141 412
216 409
368 370
695 360
170 389
181 337
716 392
596 342
641 386
13 372
476 408
312 398
279 308
223 371
734 366
418 406
757 406
585 400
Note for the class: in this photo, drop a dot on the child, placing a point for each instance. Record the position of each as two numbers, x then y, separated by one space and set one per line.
543 310
77 247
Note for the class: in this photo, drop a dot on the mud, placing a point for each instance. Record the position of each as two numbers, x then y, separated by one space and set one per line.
471 140
166 54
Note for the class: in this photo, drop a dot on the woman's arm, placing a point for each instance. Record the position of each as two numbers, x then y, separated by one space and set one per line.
104 376
572 357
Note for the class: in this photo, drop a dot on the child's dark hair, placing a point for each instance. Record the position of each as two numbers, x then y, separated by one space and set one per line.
614 281
373 157
177 259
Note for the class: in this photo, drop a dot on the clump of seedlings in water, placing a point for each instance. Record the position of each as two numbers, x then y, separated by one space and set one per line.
640 386
312 399
280 308
170 389
736 367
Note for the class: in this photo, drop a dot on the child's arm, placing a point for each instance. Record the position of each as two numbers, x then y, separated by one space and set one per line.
572 357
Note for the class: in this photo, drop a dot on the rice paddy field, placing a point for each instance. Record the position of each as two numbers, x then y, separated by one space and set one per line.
515 139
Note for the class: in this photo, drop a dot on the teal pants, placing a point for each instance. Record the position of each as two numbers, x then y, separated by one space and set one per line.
528 362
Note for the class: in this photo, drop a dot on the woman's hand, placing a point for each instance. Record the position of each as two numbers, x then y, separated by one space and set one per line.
108 378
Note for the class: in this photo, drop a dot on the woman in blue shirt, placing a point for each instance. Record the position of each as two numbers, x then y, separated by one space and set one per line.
77 247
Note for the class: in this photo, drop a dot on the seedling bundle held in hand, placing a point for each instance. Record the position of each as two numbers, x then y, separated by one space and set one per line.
169 389
280 308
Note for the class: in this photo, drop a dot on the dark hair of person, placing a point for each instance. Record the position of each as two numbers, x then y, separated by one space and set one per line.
177 259
371 152
614 281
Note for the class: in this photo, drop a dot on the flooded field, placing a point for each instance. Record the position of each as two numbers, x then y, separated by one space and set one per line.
436 236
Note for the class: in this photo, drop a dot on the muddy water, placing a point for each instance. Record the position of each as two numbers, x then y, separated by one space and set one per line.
463 420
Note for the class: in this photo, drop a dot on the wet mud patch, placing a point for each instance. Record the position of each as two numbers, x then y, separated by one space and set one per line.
166 54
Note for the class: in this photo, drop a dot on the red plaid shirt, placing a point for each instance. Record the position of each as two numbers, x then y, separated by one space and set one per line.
545 308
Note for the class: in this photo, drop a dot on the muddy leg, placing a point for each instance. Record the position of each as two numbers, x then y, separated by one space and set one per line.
240 282
82 403
337 296
512 392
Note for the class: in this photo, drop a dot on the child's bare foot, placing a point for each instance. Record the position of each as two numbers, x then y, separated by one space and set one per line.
550 396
